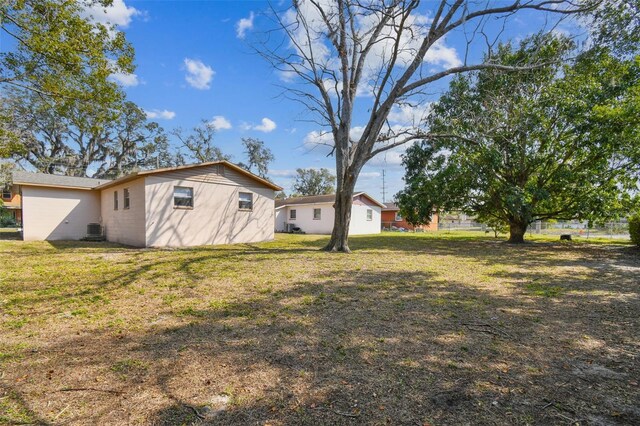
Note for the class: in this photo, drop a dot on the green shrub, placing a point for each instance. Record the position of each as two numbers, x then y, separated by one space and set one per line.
6 219
634 228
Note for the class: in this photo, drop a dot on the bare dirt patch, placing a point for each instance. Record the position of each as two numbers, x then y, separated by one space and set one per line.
409 329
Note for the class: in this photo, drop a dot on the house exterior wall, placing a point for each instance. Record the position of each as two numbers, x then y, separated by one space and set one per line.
359 224
14 200
305 221
58 213
215 217
389 219
125 226
281 219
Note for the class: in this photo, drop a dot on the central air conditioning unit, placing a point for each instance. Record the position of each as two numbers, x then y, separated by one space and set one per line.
95 232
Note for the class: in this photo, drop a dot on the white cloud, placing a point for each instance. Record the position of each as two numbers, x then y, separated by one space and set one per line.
440 54
118 13
199 75
410 115
220 123
393 157
287 173
125 79
267 125
244 25
162 114
369 175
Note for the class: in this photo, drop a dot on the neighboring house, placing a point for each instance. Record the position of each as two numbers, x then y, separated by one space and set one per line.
315 214
391 218
11 203
207 203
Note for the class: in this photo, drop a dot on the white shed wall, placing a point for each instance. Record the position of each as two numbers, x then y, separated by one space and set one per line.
281 219
304 218
360 225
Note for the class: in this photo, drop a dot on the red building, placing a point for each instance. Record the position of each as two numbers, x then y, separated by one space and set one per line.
11 204
391 218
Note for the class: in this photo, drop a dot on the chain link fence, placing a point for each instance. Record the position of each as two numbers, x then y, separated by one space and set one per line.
613 230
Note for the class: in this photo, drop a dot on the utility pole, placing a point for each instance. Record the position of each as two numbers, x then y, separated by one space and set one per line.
384 188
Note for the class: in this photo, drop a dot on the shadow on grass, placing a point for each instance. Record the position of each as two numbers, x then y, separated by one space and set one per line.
368 346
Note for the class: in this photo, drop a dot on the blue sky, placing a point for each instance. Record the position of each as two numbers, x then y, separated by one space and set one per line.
194 61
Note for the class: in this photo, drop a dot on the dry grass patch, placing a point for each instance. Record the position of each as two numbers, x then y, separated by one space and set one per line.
409 329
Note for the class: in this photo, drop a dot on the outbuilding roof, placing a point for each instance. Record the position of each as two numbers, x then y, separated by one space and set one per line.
319 199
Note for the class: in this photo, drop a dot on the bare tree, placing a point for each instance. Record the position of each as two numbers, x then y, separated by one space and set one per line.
343 57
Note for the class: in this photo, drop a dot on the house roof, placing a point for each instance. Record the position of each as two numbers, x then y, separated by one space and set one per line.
390 207
319 199
141 173
55 181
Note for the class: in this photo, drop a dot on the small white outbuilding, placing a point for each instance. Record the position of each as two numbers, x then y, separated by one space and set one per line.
315 214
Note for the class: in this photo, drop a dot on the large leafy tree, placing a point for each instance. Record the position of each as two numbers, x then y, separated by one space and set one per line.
59 52
351 62
54 49
90 139
314 182
134 143
199 143
556 142
258 157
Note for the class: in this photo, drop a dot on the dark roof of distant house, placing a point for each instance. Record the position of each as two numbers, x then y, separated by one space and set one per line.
390 207
57 181
318 199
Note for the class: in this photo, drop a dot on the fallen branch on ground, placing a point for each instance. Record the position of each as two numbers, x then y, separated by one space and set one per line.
89 389
487 328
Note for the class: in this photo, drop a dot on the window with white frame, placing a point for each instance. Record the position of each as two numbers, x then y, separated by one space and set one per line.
369 214
245 201
317 214
292 214
182 197
115 200
125 194
398 217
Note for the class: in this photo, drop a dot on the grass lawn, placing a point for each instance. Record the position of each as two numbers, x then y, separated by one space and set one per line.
410 329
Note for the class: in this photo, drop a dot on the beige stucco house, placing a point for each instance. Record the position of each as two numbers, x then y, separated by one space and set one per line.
207 203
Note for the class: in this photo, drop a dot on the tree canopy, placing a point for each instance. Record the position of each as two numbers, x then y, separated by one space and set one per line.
555 142
89 139
314 182
60 52
258 157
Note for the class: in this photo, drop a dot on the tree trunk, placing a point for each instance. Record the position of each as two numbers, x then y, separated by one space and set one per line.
517 230
340 235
